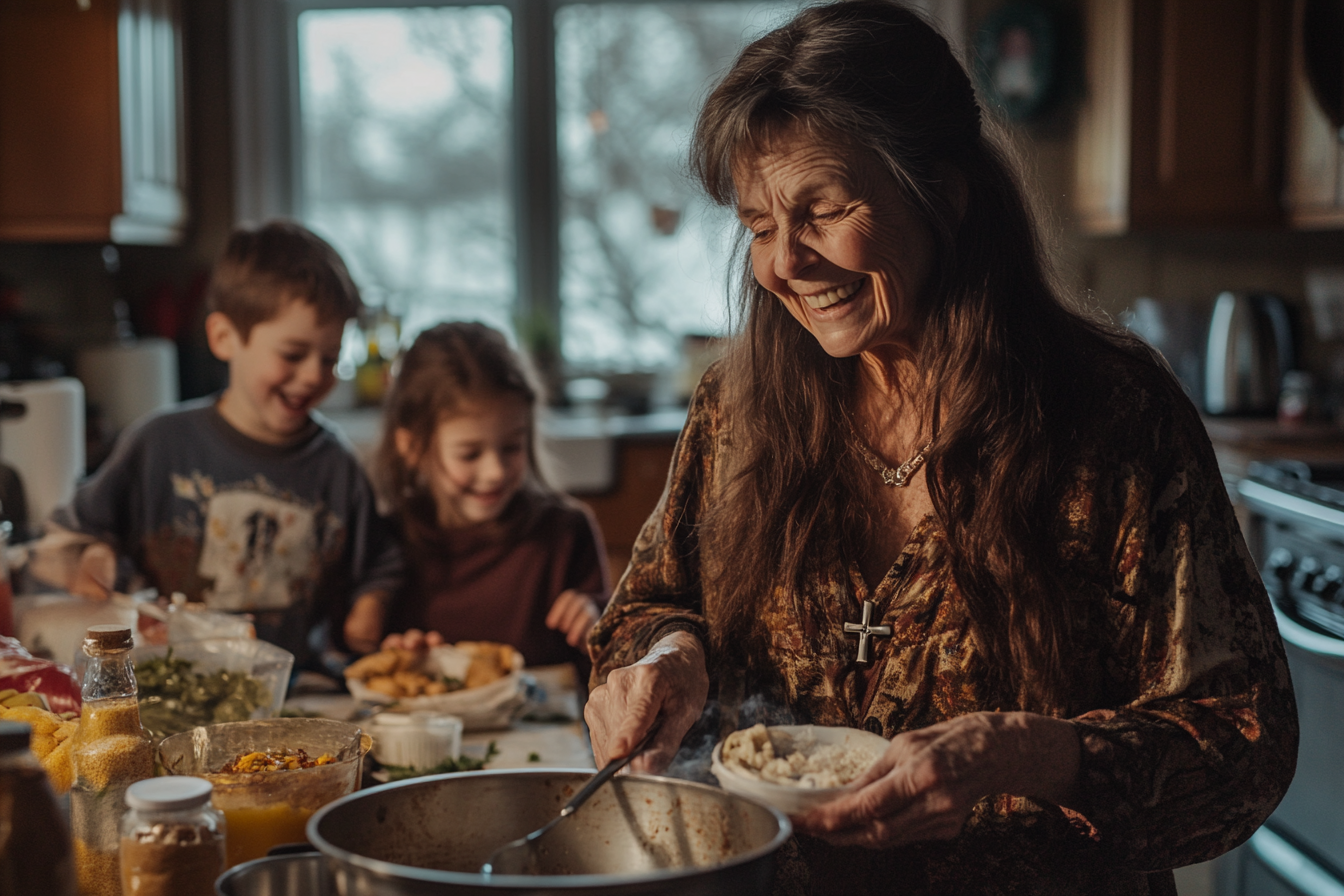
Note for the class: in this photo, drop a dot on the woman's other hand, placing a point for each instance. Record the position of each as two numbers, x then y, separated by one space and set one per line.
927 782
412 639
670 682
96 574
573 614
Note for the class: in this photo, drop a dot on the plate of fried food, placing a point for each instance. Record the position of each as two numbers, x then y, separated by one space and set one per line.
481 682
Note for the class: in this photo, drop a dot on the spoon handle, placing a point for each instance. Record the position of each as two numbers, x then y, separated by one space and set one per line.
607 771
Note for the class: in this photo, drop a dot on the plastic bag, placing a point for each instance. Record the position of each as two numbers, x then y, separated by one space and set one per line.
52 681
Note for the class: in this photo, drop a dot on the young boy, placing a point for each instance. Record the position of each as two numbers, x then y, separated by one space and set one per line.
245 500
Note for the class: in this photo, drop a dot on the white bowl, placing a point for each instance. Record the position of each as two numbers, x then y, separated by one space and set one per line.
420 740
790 799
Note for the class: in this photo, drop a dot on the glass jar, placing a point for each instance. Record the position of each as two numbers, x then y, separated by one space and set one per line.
172 840
108 753
34 840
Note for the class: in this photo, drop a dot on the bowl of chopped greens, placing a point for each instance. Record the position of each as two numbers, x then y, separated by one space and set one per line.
209 681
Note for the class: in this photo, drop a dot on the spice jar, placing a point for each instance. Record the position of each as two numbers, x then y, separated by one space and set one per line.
172 841
108 753
34 840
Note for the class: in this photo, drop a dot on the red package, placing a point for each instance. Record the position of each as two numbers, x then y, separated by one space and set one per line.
23 672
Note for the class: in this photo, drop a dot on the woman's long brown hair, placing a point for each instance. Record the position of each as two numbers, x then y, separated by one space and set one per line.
1000 354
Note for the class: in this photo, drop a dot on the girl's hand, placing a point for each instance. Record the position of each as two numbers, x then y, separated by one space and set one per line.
412 639
927 782
364 624
670 683
96 574
574 614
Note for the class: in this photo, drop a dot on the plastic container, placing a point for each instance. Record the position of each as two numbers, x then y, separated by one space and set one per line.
172 841
35 848
420 740
108 753
795 800
271 808
218 668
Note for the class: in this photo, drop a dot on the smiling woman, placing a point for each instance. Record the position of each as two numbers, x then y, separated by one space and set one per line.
834 239
1044 603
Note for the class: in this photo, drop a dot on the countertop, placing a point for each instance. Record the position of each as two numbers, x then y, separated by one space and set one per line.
558 744
578 449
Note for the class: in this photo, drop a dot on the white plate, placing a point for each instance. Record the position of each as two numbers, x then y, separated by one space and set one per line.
796 800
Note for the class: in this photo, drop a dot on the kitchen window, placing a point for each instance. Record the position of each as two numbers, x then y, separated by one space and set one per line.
521 163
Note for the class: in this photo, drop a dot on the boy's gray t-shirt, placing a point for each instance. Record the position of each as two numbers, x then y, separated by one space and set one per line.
290 534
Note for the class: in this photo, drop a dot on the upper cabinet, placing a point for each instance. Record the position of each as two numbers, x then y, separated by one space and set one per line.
1183 121
1314 188
91 125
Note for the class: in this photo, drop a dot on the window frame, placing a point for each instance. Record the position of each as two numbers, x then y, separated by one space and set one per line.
267 125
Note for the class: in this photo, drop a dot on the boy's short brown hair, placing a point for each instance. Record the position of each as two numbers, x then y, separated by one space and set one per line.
263 269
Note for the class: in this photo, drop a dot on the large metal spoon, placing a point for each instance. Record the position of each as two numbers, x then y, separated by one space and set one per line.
520 856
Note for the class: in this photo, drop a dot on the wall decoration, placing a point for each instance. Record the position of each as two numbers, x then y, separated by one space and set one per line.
1017 59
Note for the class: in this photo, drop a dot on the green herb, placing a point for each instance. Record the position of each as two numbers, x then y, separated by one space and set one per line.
533 757
460 764
175 698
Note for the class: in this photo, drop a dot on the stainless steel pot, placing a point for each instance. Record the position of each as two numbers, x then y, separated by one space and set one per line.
304 874
638 835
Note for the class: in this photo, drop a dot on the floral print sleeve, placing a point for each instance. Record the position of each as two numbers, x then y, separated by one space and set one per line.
1199 744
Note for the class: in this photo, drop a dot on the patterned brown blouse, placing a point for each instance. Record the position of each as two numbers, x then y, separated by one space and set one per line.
1191 735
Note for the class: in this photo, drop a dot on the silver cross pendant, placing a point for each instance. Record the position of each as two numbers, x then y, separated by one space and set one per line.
866 630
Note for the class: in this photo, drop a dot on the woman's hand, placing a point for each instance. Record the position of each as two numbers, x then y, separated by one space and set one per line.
670 683
574 614
364 624
926 783
96 574
412 639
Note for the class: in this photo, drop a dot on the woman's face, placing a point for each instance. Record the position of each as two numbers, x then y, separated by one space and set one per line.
836 241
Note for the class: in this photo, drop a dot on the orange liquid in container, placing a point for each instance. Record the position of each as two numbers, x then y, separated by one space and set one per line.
254 831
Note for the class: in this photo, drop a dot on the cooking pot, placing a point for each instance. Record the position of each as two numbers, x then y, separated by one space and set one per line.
639 834
298 874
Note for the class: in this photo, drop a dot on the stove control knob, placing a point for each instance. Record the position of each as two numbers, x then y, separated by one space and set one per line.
1307 571
1280 563
1329 582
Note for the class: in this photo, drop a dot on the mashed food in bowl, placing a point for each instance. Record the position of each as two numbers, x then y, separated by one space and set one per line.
781 758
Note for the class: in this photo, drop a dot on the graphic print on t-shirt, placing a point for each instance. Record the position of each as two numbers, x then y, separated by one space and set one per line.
257 549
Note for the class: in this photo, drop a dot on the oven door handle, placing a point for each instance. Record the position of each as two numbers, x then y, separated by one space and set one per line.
1287 863
1303 638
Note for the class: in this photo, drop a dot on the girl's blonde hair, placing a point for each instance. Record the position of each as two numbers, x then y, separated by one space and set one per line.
448 367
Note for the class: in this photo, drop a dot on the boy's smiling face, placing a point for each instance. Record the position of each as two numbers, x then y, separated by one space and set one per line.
279 373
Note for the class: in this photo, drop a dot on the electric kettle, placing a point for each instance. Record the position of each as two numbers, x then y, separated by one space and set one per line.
1250 347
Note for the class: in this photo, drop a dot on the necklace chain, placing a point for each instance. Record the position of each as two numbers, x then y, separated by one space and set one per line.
898 477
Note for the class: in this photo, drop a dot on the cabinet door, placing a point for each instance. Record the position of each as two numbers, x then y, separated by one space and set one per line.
1183 121
91 135
1314 183
1207 121
60 143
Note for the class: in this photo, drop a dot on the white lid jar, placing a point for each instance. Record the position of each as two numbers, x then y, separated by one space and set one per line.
172 839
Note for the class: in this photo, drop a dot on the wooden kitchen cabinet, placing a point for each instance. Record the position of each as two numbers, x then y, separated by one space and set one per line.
641 474
91 124
1314 179
1183 121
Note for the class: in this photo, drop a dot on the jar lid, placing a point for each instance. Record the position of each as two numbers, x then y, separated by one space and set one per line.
108 637
172 792
14 736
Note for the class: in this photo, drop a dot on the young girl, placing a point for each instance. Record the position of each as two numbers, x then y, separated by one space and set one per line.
493 553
